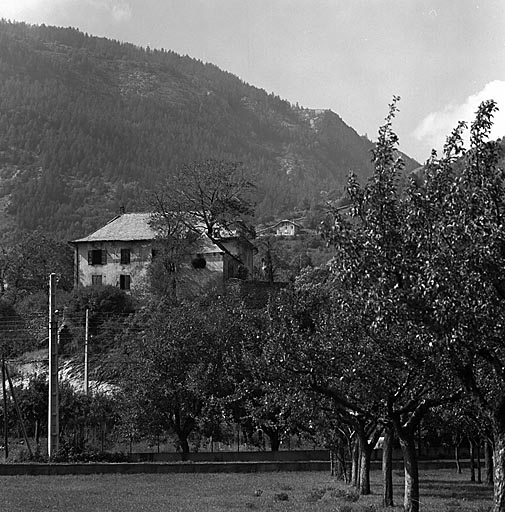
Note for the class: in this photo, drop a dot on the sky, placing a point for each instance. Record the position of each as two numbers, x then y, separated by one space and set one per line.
442 57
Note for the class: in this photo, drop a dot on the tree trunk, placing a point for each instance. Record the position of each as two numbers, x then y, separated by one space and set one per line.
183 441
342 463
275 441
488 454
36 433
472 460
387 467
355 464
479 470
411 496
499 465
364 478
456 456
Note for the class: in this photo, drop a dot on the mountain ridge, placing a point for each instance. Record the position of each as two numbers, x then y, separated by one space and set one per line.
89 124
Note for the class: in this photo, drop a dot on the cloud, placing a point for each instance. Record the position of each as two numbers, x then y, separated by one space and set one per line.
121 12
34 11
436 126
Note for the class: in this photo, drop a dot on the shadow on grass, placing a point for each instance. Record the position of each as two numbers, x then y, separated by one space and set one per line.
469 491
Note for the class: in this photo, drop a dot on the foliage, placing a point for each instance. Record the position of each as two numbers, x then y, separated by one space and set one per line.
458 214
25 266
108 309
16 333
176 366
211 199
282 259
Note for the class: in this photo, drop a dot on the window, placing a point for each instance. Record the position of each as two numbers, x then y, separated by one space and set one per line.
96 280
125 256
199 262
124 282
97 257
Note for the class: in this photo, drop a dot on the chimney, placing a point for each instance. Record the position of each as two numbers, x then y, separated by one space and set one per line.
121 210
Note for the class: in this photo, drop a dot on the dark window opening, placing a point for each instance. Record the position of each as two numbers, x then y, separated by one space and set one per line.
154 253
199 262
97 257
124 282
125 256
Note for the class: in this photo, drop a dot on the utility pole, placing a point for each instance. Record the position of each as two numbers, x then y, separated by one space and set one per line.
53 412
86 338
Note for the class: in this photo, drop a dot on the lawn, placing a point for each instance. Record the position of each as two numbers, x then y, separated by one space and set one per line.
442 490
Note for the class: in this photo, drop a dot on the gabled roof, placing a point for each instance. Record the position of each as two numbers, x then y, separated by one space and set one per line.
129 227
286 221
278 223
123 228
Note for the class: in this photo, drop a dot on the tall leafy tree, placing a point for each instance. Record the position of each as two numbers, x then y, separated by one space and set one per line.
377 266
176 364
460 234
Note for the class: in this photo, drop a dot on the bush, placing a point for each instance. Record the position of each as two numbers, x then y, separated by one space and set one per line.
68 452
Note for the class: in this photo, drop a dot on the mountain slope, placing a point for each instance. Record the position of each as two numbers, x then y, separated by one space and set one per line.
88 124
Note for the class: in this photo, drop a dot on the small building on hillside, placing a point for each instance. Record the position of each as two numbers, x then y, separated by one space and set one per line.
121 252
282 228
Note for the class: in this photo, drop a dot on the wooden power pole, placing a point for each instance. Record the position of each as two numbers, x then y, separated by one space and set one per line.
53 411
86 337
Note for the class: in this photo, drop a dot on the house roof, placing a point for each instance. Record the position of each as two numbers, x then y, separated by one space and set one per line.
278 223
125 227
129 227
286 221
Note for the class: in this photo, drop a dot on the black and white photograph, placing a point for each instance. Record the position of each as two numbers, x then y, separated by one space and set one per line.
252 255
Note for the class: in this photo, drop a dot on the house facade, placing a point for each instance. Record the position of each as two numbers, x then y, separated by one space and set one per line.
119 254
283 228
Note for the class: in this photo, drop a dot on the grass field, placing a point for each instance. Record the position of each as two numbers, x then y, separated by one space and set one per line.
442 490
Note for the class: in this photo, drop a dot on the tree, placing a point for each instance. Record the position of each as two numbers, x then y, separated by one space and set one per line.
108 310
211 198
375 275
460 235
33 402
176 364
313 349
25 266
179 270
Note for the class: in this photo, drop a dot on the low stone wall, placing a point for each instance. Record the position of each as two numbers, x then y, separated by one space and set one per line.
281 456
179 467
286 456
191 467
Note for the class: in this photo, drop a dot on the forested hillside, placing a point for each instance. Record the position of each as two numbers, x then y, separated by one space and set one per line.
89 124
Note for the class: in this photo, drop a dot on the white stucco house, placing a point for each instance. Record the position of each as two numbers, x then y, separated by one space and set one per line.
120 253
284 227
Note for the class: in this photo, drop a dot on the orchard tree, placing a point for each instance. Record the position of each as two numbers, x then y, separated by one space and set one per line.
312 346
176 363
375 276
458 215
